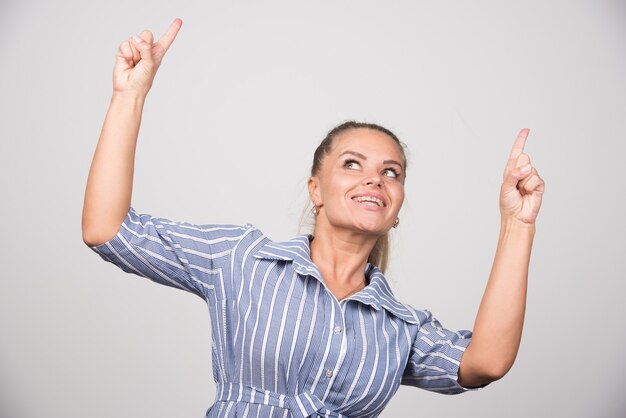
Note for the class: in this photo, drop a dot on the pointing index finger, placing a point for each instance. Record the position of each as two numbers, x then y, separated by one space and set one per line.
518 148
169 36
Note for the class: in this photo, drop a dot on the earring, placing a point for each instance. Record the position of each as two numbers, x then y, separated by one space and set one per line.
314 210
396 223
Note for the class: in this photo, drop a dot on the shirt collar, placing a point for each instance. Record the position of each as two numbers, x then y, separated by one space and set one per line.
377 294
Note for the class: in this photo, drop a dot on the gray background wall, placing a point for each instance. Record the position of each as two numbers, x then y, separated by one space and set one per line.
243 97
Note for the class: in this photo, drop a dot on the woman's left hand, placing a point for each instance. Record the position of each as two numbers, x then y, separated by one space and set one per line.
522 188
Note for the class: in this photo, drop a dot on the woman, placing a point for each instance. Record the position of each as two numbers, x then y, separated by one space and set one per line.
309 327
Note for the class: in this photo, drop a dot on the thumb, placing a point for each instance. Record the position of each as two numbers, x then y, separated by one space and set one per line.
147 36
144 44
517 174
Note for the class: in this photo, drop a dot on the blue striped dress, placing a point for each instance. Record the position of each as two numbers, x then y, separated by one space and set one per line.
283 345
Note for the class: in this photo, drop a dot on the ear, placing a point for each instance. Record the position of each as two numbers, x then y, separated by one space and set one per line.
313 185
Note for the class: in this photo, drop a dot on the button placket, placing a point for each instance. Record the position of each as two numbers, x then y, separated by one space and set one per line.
338 340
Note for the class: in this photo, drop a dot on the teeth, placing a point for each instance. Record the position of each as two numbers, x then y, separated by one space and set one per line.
370 199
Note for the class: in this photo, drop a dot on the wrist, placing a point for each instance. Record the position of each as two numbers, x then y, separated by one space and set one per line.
510 226
129 96
128 101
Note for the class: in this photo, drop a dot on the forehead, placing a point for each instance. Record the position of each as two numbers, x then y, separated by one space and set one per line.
369 142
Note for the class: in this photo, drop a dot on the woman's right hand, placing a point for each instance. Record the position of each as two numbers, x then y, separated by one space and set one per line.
110 182
139 58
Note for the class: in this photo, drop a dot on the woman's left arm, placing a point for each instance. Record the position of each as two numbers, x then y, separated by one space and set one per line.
498 327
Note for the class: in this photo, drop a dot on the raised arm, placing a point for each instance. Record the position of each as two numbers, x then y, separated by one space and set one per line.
110 181
498 327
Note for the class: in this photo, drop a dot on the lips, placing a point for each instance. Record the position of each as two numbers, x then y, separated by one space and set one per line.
370 200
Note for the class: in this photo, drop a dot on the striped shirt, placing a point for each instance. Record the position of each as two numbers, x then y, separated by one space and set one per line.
283 345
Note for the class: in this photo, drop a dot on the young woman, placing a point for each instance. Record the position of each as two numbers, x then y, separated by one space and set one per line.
309 327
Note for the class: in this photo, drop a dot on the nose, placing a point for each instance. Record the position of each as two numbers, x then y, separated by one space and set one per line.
374 179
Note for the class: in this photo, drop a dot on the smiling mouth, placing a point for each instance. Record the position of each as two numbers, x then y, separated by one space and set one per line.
369 201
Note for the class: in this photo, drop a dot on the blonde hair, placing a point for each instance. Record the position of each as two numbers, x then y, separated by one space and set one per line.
379 256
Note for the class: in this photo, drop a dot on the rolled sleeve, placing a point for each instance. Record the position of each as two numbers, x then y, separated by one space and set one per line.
175 254
435 357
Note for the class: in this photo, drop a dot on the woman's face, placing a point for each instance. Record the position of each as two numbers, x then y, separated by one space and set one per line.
360 185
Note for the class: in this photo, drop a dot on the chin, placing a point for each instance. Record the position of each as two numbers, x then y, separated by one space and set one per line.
372 229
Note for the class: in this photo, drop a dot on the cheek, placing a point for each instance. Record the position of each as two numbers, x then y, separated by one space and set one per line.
335 187
333 197
398 196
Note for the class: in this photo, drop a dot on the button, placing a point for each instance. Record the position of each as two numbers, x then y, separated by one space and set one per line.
329 373
337 329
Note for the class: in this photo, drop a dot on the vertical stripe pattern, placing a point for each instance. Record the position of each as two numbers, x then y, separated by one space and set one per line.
283 346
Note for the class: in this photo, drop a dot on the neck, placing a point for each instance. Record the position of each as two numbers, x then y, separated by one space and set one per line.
341 256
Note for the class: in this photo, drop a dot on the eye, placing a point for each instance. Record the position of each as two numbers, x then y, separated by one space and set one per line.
390 172
352 164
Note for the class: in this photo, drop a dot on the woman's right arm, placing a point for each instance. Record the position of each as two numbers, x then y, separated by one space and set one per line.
110 181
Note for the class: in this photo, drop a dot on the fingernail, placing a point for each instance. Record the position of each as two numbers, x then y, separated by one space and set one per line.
137 39
526 168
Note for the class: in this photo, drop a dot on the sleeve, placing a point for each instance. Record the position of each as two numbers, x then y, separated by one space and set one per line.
176 254
436 356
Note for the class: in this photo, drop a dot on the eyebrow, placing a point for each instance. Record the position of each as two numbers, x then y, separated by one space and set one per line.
363 157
